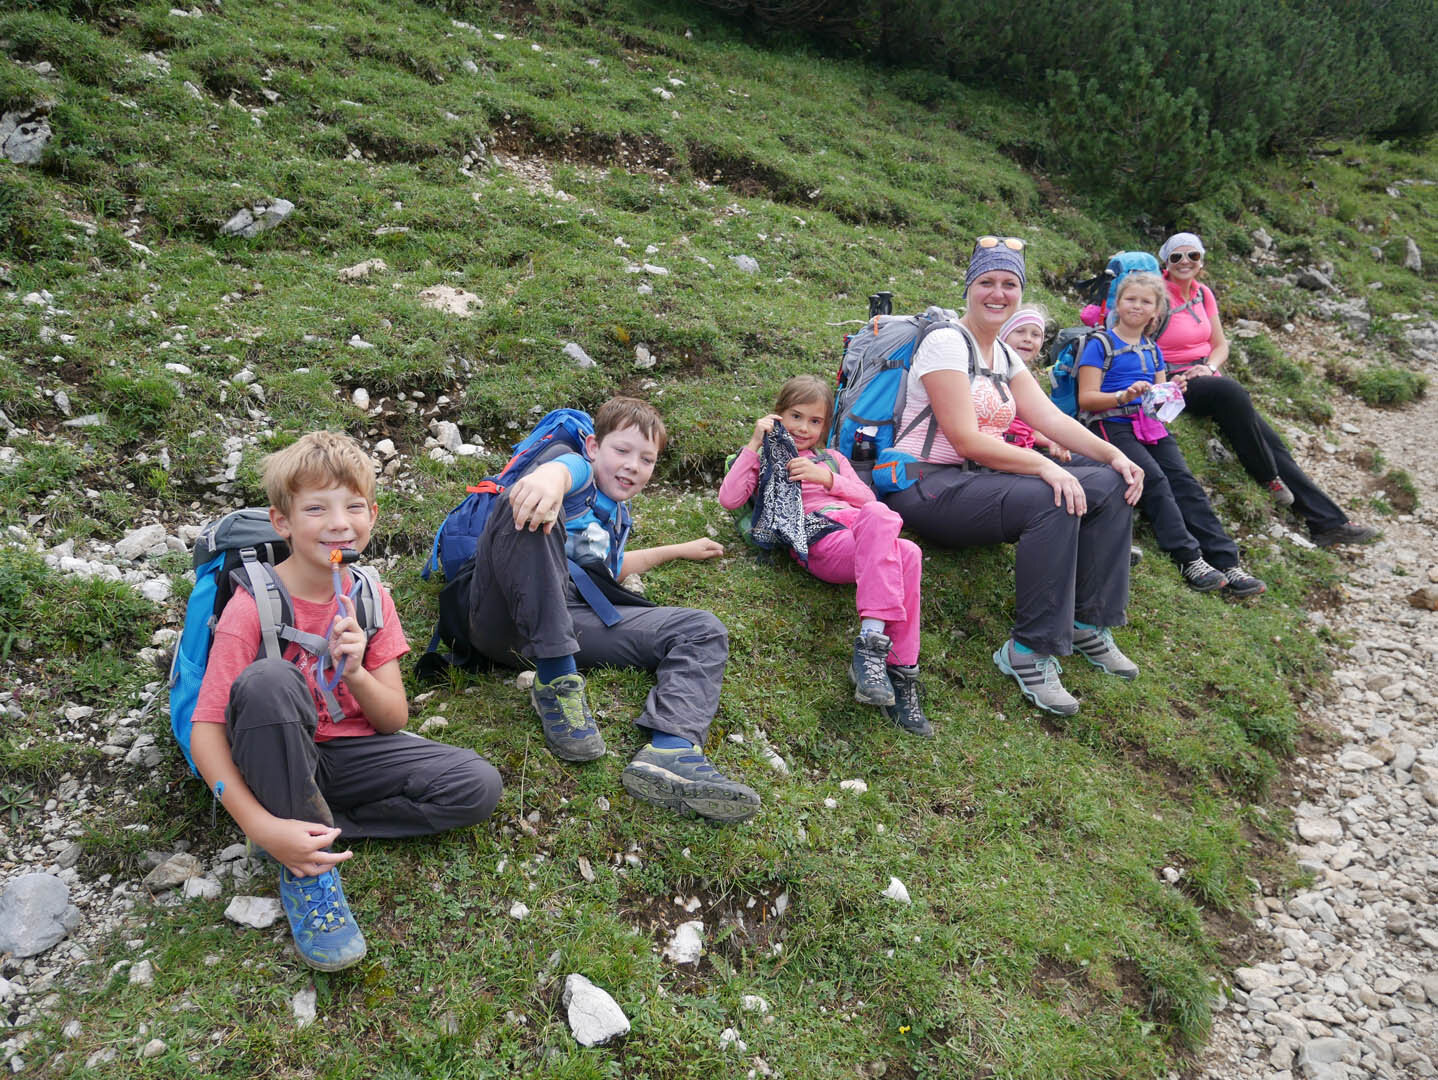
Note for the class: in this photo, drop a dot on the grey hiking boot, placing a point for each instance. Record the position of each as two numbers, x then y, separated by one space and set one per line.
1038 678
1281 492
569 729
1099 650
684 779
907 711
1242 583
1199 576
1350 532
868 669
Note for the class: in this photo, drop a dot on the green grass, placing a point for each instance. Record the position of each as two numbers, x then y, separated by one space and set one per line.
1389 385
1043 941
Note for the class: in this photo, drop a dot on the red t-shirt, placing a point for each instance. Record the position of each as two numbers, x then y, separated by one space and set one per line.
237 645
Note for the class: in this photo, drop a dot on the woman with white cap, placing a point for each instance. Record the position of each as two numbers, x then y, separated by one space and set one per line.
1195 348
965 486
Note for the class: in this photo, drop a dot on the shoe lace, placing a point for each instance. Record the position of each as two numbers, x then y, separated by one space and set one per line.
1050 668
906 694
1196 569
568 704
872 658
1237 573
322 909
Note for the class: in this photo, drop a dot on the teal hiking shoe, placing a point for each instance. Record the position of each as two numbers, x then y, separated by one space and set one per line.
325 933
1098 648
569 729
684 779
1038 678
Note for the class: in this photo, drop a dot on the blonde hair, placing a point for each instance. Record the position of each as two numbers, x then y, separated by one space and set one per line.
802 389
320 459
1140 279
621 412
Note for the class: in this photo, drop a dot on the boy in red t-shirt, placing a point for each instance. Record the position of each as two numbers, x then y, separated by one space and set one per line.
295 778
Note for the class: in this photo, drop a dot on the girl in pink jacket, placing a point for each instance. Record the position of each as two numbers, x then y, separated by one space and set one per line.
866 551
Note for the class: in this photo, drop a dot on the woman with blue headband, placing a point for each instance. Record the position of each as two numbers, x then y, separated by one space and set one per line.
964 485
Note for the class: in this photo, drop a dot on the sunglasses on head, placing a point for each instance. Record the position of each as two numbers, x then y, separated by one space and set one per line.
1013 243
1179 256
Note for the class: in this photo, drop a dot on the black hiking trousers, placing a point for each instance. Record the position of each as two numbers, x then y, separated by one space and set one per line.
1259 448
523 607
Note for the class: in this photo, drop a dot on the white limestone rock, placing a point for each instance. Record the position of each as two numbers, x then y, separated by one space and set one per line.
594 1016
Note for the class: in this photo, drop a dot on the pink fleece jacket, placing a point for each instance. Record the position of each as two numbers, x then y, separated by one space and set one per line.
848 490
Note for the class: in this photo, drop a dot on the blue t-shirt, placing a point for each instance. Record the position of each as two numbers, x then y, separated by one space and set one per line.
1131 363
607 541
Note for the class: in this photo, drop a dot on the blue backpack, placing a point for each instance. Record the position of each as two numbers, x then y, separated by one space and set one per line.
458 537
459 533
238 550
1103 289
873 380
1068 347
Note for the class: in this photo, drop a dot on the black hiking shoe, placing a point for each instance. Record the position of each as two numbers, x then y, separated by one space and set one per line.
907 711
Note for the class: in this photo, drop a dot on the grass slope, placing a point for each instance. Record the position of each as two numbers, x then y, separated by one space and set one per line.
1043 941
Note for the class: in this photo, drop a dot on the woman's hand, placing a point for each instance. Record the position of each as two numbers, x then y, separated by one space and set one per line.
1068 492
1132 478
762 427
802 469
1193 371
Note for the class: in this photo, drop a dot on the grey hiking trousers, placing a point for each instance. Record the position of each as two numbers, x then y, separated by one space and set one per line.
523 606
365 785
1065 567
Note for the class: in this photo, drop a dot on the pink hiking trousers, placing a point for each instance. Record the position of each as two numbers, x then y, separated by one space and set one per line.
885 569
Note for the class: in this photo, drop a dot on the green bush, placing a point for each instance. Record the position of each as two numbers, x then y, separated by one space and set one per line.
1173 99
1388 385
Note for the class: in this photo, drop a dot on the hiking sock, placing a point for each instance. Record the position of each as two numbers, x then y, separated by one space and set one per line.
549 668
661 740
871 626
1085 626
1024 649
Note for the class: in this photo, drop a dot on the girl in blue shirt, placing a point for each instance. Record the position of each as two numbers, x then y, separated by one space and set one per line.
1174 503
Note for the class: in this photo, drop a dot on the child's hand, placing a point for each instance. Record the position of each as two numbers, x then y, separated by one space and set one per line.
535 498
1134 391
299 846
802 469
700 549
347 639
762 427
1059 453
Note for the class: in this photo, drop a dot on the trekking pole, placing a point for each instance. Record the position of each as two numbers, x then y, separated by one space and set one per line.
338 557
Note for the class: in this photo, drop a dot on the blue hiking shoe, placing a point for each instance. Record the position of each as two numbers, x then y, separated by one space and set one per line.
684 779
569 729
325 933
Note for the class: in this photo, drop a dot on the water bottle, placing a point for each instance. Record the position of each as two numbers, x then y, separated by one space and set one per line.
864 452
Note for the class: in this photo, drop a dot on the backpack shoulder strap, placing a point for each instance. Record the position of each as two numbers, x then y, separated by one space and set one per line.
1108 350
270 596
368 600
